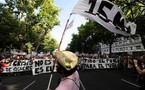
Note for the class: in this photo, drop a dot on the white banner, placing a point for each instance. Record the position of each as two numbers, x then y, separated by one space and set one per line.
18 66
107 14
39 66
88 63
42 66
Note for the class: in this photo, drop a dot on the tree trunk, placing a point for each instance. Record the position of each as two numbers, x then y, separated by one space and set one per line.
37 47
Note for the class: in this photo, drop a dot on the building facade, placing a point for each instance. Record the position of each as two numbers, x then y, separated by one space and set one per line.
124 45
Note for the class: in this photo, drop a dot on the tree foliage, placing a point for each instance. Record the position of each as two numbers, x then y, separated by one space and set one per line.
27 21
89 36
8 25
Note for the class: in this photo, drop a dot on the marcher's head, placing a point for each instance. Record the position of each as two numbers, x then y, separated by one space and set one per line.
142 58
66 62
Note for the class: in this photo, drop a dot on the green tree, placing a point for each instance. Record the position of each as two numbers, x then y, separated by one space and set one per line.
49 43
89 36
8 25
34 19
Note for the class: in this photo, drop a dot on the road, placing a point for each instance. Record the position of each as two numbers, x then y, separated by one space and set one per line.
91 80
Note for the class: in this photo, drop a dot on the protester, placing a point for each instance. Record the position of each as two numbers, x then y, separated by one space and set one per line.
130 66
125 62
67 67
1 70
140 68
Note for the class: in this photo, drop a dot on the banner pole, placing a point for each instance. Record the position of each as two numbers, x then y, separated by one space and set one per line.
48 88
64 32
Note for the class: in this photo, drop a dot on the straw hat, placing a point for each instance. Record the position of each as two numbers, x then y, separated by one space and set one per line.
67 59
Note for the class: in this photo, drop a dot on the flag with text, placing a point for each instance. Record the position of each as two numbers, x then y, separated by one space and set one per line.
107 14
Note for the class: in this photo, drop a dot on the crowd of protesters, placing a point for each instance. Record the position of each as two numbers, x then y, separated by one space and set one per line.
133 64
6 58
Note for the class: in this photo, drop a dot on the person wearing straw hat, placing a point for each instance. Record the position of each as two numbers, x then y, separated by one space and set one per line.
67 67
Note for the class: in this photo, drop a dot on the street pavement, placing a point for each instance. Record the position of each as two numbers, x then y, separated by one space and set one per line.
91 80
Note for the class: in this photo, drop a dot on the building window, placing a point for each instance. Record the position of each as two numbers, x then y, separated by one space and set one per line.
104 50
121 49
131 48
138 47
113 50
116 49
126 48
120 43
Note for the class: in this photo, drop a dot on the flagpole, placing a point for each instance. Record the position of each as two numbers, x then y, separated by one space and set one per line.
64 32
48 88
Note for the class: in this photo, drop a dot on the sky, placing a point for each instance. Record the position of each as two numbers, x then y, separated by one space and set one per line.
66 7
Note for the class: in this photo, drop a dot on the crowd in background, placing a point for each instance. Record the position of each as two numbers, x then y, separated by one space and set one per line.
133 64
126 62
9 57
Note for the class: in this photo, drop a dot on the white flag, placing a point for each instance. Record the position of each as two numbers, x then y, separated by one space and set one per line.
107 14
70 24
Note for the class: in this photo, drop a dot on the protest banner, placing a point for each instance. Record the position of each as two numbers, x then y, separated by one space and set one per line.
87 63
39 66
42 66
18 66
